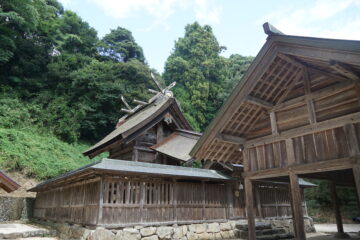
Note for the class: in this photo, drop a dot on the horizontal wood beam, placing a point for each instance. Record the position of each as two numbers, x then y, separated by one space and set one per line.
344 70
308 129
230 139
259 102
322 93
321 166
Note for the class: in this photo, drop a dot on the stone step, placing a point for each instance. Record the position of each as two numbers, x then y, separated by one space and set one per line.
27 231
265 232
258 226
276 236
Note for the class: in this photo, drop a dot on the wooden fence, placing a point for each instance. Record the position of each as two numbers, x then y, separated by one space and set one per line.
125 201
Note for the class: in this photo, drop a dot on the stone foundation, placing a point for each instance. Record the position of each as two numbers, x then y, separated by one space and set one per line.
288 224
15 208
203 231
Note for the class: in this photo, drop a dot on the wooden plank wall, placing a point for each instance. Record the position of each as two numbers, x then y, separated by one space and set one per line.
75 203
127 201
307 135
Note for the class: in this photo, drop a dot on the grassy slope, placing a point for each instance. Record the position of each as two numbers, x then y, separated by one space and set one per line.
38 155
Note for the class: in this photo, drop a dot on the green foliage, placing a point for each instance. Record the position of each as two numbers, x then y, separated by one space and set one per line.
38 155
237 65
98 88
320 205
119 45
199 70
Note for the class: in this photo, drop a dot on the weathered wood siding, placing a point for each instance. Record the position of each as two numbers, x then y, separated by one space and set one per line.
321 126
125 201
76 203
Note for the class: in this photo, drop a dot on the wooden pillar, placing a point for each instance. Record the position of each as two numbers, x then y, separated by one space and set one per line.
175 197
356 173
101 201
258 201
249 201
230 200
203 199
142 199
296 204
335 202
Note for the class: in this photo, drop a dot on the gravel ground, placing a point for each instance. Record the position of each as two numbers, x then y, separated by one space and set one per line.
331 228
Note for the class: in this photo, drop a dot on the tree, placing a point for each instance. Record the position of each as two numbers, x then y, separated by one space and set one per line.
236 66
97 89
199 70
119 45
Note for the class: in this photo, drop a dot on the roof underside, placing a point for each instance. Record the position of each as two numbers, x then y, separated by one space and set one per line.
178 145
7 183
275 76
140 119
130 168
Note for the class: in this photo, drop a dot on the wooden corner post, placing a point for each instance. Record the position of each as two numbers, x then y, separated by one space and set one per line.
297 209
249 200
335 202
356 173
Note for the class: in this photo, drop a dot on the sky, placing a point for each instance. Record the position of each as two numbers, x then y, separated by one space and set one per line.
237 24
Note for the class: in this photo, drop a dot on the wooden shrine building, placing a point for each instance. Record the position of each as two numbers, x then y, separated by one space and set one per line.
295 113
144 180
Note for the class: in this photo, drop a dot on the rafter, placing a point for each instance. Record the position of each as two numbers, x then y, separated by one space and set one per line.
259 102
230 139
299 63
344 70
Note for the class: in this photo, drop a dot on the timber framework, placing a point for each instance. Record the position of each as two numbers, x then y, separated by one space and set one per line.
295 113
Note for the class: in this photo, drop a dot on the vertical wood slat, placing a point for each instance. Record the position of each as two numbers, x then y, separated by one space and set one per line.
352 140
142 200
298 215
203 199
101 202
290 151
274 127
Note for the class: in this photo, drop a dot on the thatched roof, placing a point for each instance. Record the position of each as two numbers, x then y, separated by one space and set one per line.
142 119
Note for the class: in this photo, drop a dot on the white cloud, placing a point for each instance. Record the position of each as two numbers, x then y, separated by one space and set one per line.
205 11
323 18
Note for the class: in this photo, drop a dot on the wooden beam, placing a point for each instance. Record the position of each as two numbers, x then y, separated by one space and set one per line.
259 102
230 139
336 206
296 204
356 173
319 54
308 129
322 93
309 101
352 140
274 128
321 166
344 70
249 201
